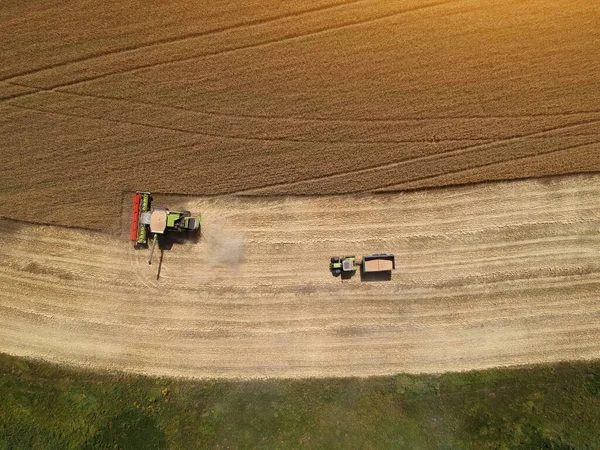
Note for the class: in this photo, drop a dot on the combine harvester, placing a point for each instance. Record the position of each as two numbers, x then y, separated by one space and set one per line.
149 223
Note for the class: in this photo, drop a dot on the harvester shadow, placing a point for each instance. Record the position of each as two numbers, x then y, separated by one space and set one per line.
162 253
369 277
166 242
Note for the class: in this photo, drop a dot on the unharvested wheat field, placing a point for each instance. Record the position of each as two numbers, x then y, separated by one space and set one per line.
492 275
270 97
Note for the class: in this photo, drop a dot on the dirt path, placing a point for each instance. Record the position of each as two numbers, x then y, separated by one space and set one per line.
490 275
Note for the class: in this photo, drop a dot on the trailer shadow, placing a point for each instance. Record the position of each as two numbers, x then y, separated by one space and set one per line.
369 277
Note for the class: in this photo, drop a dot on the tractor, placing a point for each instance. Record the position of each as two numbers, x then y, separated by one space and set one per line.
343 265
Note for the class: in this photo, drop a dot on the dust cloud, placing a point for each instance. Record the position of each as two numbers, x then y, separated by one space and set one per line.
226 249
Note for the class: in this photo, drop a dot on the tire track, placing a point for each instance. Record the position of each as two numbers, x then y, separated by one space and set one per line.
188 36
331 323
237 137
255 46
434 157
306 120
499 217
391 120
550 152
493 287
382 120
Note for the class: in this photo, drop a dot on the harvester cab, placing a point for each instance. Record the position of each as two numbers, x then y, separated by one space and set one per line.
148 222
162 220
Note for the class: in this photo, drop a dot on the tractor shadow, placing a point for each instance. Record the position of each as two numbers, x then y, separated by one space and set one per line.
346 275
342 275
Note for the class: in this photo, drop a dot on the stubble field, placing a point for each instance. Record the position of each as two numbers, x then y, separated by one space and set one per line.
492 275
266 97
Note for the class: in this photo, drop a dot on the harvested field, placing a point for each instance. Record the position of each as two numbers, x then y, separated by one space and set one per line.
269 97
492 275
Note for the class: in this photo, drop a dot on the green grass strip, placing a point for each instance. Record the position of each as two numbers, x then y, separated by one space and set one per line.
44 406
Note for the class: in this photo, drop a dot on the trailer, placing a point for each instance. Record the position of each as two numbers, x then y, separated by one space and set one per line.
383 262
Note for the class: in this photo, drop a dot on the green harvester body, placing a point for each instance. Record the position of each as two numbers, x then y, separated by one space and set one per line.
148 222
